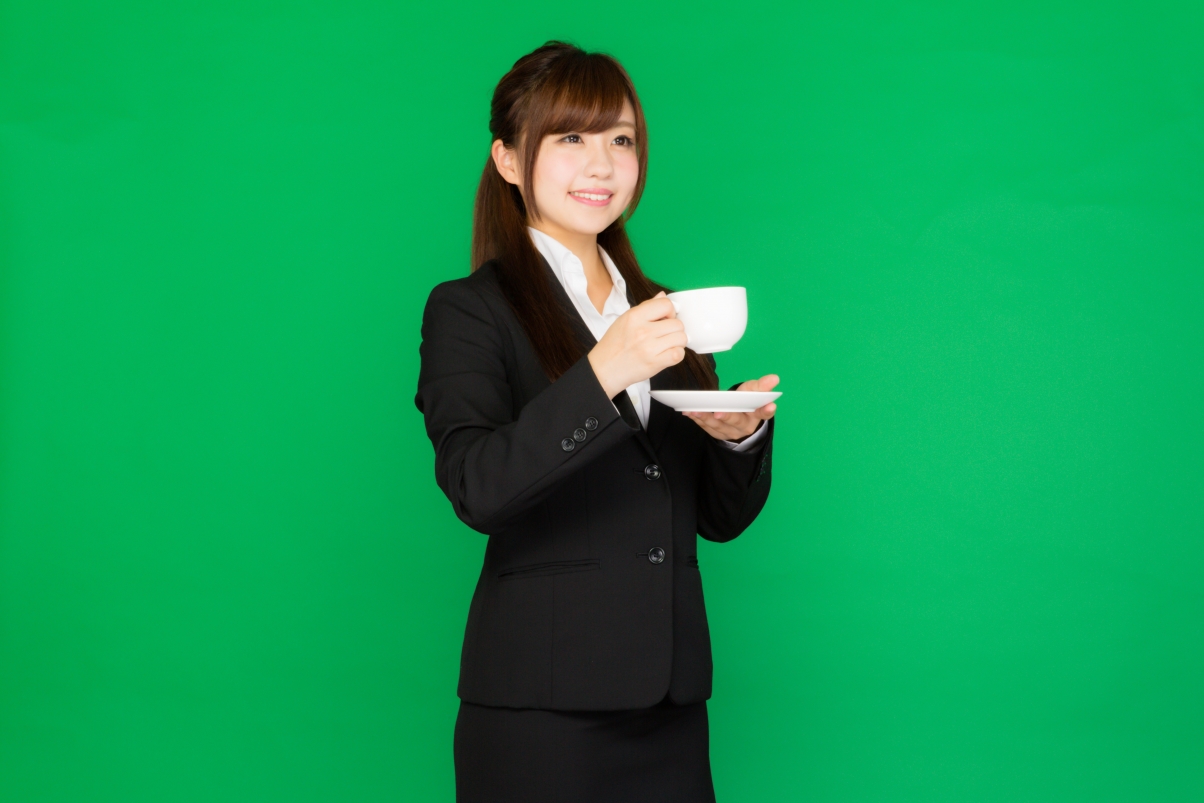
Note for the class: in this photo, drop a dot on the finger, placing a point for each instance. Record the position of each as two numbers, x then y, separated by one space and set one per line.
767 382
736 421
666 326
730 419
730 426
659 307
718 428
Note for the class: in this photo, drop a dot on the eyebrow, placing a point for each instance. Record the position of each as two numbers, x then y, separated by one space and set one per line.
620 124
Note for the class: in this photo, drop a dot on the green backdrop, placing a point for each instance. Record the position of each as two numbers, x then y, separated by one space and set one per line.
973 242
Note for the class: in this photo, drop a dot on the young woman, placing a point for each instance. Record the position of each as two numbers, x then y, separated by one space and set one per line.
586 662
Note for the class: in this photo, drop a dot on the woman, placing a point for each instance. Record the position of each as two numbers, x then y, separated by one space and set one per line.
586 663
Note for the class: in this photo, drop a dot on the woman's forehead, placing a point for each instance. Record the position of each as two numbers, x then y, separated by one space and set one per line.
603 121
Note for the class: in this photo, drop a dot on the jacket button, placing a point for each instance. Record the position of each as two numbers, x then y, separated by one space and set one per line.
579 434
652 471
591 423
656 555
568 444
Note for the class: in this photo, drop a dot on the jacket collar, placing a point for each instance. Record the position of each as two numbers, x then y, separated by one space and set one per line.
568 267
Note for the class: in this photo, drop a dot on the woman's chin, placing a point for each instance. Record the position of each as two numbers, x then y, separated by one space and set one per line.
595 224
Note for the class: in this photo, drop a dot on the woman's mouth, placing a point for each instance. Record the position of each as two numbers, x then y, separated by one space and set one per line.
592 198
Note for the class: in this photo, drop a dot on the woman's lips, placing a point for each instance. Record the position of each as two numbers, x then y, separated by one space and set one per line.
595 200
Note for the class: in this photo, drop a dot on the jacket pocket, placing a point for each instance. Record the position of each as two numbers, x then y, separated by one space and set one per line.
553 567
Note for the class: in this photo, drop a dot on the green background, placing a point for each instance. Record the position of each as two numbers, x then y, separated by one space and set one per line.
973 242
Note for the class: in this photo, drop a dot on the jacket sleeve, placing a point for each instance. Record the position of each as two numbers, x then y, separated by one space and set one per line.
733 486
492 464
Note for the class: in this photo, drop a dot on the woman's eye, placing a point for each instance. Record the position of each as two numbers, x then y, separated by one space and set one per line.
622 139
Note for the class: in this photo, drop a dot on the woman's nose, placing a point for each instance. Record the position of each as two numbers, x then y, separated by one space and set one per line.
599 162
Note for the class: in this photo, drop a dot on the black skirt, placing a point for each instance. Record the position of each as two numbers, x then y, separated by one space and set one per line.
526 755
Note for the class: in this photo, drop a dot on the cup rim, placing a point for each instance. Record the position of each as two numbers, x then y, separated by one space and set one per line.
705 289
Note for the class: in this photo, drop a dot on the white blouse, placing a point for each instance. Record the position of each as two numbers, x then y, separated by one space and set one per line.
571 273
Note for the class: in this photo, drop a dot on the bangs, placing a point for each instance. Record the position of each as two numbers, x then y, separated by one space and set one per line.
589 109
585 95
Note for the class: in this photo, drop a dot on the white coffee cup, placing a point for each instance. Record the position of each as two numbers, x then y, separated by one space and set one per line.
715 317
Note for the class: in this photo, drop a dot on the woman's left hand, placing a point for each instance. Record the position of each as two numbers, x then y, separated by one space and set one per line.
737 426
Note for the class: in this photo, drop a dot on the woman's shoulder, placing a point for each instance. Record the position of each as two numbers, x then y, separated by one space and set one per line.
481 282
466 299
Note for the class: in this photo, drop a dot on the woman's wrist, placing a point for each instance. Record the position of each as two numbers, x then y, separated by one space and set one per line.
600 372
743 438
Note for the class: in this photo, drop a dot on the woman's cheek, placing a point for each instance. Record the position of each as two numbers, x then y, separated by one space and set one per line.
564 170
631 174
553 178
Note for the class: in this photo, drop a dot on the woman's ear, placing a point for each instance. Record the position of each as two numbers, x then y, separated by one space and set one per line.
506 161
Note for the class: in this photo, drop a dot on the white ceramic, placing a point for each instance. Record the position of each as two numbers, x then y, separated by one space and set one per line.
716 401
715 317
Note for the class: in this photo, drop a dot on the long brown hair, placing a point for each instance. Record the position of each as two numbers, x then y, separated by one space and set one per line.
557 88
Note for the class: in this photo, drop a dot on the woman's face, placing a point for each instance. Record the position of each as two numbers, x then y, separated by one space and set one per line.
583 182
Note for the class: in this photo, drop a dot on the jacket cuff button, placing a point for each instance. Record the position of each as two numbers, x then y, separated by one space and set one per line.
568 444
591 423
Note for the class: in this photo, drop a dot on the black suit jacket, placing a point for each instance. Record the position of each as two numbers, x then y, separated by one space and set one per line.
590 596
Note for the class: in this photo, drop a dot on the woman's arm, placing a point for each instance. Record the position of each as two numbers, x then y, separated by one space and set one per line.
733 486
492 466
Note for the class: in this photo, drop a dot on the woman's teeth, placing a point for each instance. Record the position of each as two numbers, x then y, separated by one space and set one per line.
590 196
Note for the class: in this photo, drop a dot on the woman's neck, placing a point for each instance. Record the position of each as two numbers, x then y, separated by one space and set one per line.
585 248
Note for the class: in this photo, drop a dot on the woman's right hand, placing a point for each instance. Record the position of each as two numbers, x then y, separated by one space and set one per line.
643 341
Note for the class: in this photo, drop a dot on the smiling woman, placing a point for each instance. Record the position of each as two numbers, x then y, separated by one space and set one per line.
586 663
578 112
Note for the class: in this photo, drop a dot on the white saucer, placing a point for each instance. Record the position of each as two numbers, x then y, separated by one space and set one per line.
716 401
